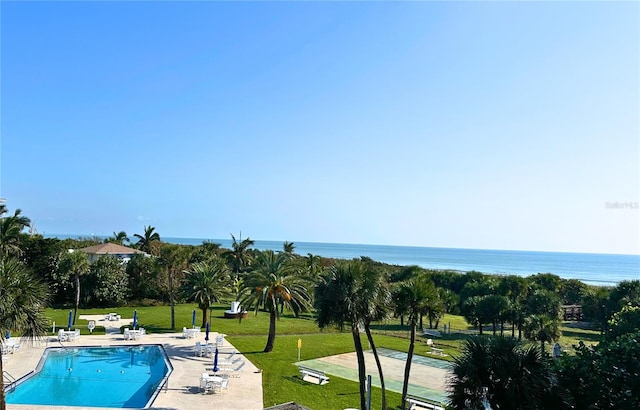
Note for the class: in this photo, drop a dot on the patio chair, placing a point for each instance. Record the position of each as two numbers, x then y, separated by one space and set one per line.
203 382
198 349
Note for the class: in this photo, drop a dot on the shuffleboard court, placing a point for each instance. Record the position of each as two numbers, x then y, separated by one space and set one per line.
428 376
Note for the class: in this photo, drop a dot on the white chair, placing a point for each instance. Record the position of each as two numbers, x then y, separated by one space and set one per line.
127 334
221 385
198 349
5 349
62 336
203 382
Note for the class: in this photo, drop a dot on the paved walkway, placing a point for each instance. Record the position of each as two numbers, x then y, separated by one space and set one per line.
245 391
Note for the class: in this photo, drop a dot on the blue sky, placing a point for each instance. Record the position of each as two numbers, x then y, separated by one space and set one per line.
497 125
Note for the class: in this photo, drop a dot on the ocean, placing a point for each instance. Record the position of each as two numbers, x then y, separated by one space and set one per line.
591 268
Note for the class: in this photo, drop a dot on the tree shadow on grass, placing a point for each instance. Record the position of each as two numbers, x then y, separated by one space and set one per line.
585 337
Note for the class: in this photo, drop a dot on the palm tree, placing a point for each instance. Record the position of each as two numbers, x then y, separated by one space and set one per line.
312 264
238 257
288 247
501 372
207 282
173 259
342 298
413 298
10 229
120 238
75 264
375 300
273 281
23 298
149 241
543 329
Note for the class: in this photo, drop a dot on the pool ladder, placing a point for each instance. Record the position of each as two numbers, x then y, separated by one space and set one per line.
8 380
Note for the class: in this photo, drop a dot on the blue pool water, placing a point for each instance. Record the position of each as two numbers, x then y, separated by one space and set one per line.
117 377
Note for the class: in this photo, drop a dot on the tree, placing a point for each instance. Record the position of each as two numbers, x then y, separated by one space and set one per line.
288 247
75 264
273 282
594 306
149 241
107 282
374 302
543 329
624 293
312 265
23 298
626 321
238 257
572 291
173 260
207 282
336 303
502 372
142 276
605 376
11 228
120 238
413 298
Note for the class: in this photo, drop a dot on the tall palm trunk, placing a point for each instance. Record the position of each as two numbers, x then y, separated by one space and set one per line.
367 329
407 366
75 308
362 371
204 318
272 330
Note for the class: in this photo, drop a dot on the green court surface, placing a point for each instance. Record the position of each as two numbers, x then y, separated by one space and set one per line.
393 367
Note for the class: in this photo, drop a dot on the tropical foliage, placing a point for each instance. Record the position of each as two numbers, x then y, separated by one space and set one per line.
74 265
238 256
274 283
500 372
23 298
207 283
149 241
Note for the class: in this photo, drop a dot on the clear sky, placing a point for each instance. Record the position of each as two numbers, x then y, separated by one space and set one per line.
497 125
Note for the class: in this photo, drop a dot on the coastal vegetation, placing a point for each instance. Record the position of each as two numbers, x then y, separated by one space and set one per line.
495 327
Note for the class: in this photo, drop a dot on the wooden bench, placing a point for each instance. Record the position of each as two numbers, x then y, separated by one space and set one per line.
416 403
313 376
437 352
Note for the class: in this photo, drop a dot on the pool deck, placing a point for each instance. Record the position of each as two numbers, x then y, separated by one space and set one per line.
183 392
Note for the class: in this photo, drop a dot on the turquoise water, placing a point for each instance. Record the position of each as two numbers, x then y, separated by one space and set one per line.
598 269
120 377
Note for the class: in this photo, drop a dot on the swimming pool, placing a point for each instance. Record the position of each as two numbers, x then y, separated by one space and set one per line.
117 377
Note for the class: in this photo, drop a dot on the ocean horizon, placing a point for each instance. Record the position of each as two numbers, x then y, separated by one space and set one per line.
591 268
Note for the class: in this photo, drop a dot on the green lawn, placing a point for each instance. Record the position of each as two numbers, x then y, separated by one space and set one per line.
281 380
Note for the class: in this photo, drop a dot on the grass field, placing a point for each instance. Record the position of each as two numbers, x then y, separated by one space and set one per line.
281 381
